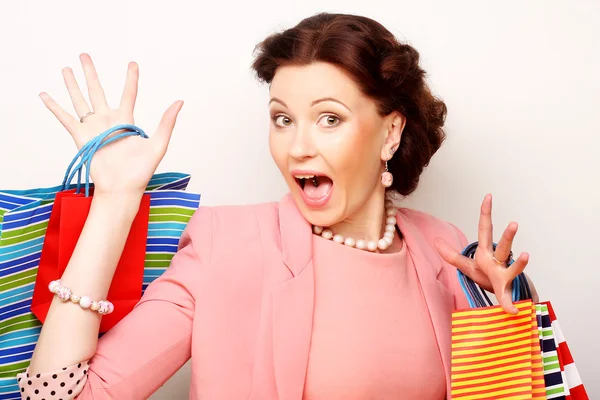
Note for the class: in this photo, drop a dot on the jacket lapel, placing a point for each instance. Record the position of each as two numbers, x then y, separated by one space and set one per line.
293 303
438 298
293 297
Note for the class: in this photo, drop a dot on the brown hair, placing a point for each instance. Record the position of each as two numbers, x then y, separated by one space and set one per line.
386 70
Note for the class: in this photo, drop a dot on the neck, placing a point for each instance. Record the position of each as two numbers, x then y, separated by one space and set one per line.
368 223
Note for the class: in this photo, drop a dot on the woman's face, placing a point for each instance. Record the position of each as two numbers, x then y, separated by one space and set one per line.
328 141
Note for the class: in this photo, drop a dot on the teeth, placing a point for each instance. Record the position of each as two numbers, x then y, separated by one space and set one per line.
305 178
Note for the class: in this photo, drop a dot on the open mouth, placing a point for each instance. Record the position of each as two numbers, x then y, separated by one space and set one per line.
315 188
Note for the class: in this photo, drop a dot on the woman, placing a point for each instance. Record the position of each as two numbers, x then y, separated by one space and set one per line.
267 302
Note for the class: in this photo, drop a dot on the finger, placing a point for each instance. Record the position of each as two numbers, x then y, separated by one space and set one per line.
502 251
95 90
64 117
518 266
485 231
79 104
131 88
453 257
166 126
505 301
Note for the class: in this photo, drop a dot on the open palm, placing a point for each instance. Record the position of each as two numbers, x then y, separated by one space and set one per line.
124 166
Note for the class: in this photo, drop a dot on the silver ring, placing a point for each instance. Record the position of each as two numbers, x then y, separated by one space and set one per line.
86 115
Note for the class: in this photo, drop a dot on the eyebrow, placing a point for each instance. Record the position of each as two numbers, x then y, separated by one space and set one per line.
275 99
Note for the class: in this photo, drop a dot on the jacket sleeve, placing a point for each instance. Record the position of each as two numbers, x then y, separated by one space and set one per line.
139 354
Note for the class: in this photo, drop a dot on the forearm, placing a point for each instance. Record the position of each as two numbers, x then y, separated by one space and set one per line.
70 333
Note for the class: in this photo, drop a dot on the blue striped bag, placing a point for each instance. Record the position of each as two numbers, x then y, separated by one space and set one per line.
24 216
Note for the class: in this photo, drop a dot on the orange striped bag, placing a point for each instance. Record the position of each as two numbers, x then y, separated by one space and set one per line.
496 355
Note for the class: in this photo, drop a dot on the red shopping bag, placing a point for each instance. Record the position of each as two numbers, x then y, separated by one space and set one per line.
67 219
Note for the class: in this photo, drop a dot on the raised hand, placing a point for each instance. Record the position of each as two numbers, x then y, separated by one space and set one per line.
123 167
489 268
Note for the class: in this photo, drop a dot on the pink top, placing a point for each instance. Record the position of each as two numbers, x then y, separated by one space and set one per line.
372 336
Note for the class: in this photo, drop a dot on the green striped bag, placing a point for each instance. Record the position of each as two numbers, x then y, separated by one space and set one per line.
553 376
24 216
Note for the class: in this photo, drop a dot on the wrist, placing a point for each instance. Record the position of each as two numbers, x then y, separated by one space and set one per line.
121 206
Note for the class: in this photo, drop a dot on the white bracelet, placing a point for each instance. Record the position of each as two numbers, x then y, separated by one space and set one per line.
64 293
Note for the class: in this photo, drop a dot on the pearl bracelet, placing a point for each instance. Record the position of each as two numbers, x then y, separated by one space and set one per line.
64 293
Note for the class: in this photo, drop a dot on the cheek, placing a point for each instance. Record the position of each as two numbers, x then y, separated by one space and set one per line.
279 150
355 158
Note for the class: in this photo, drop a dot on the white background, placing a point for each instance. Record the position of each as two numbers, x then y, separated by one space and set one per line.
521 81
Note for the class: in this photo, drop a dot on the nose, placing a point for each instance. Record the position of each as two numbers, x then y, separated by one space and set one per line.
302 146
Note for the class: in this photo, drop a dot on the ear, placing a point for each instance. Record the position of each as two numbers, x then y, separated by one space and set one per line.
394 125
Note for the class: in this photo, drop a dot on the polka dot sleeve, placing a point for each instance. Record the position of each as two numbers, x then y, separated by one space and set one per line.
64 384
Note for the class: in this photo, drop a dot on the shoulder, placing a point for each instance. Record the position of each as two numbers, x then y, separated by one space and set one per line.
233 220
232 232
231 245
432 227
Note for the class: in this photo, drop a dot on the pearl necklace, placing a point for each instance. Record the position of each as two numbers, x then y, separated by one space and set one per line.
371 245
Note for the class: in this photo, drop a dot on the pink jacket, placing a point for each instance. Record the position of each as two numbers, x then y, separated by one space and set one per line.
238 299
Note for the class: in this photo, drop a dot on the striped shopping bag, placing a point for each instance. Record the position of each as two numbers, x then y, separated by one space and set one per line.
548 366
23 219
538 386
170 211
553 376
575 389
494 354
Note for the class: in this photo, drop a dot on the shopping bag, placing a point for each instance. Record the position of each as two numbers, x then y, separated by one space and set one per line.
547 380
24 216
553 376
170 212
574 385
67 219
23 219
494 354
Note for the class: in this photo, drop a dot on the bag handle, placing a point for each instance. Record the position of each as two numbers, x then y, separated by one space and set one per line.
477 297
87 152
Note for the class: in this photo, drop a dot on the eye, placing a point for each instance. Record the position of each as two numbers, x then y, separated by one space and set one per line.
282 120
329 121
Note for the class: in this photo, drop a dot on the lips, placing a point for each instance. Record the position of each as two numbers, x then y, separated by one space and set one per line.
315 187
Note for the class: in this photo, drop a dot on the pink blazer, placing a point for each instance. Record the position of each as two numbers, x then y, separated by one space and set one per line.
238 300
